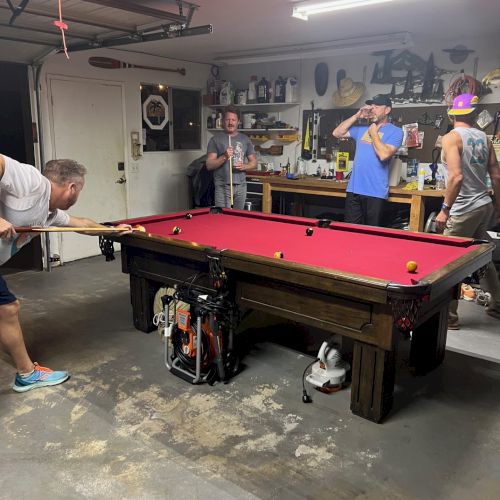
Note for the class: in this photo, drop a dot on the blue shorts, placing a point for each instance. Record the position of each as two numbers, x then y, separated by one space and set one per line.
6 297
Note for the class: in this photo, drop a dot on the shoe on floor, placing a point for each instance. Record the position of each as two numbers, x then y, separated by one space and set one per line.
40 377
468 293
453 325
493 312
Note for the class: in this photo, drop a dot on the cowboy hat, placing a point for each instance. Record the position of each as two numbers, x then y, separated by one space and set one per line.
348 93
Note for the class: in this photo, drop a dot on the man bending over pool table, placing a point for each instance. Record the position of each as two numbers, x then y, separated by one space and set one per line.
28 198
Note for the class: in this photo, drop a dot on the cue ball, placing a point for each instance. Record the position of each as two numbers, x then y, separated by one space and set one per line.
309 231
411 266
176 230
278 255
189 216
139 228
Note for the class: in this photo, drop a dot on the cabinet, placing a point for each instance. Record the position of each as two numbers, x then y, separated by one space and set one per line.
265 134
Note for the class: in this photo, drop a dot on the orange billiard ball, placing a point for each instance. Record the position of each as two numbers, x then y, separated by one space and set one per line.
411 266
278 255
176 230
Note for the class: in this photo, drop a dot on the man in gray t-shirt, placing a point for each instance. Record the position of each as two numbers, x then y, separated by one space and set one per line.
226 148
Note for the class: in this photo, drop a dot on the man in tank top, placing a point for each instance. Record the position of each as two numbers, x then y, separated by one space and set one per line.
468 209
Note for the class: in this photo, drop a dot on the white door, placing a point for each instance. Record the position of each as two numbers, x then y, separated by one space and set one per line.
88 126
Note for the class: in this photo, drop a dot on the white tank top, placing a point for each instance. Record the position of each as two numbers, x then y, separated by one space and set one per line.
474 162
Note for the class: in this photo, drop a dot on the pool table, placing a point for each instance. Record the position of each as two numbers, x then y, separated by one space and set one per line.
345 279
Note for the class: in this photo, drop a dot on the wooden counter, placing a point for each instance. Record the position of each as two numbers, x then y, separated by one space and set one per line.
326 187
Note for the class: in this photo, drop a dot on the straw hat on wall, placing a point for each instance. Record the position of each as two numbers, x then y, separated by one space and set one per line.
348 93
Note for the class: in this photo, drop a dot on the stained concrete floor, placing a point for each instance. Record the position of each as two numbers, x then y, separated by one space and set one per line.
124 427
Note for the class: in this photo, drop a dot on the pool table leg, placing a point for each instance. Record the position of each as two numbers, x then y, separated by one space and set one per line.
428 343
372 389
142 295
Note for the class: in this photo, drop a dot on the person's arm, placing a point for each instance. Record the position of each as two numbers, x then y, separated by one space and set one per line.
382 150
2 166
452 155
84 222
215 161
343 129
494 171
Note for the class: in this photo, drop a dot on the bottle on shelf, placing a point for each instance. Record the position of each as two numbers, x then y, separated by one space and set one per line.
279 89
292 90
252 90
210 123
263 91
440 184
218 121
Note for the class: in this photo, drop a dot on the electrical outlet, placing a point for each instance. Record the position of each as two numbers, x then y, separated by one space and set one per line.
134 168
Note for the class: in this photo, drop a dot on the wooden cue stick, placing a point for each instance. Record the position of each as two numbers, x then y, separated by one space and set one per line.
231 175
64 229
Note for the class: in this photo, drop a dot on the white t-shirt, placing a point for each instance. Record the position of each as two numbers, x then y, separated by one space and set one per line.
24 201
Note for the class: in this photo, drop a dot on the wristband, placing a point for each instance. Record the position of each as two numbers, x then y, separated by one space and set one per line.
445 207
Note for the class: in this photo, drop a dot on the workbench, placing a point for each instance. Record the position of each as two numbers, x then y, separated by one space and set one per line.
326 187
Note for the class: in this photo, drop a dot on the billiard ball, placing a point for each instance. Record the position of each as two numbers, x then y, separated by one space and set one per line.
278 255
189 216
176 230
139 228
411 266
309 231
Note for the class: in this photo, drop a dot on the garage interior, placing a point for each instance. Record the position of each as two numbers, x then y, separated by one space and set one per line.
124 427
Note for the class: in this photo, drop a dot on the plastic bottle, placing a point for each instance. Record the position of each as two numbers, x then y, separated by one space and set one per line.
292 90
263 91
252 90
279 89
218 121
210 123
440 185
421 178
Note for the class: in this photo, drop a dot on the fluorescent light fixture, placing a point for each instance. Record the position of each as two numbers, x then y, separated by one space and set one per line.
303 10
359 45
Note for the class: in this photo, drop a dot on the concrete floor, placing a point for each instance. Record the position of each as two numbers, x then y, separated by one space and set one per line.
124 427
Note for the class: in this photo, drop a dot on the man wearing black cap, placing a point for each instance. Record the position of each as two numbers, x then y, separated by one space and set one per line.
376 144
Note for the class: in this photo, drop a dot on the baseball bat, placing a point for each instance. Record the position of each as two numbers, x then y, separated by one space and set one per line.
110 63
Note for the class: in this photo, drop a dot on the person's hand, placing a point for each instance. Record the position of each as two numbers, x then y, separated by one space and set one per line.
441 220
373 130
229 152
364 112
127 229
7 230
240 166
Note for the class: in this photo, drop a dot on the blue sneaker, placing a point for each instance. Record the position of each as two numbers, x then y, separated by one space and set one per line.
40 377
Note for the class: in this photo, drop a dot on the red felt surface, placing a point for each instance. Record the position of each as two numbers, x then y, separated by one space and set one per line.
371 252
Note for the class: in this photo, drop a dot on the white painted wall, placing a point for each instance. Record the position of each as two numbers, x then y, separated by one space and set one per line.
156 183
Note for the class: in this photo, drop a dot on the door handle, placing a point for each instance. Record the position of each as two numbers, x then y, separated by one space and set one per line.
121 180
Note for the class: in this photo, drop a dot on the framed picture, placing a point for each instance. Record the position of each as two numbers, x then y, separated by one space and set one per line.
155 112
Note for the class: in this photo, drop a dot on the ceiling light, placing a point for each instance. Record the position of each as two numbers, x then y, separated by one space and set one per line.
359 45
303 10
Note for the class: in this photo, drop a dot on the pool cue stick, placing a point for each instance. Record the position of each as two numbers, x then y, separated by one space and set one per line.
64 229
231 174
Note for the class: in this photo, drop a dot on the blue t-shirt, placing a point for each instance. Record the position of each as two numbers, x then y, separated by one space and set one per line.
370 175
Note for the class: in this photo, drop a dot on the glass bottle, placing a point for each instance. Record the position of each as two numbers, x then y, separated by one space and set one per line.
263 91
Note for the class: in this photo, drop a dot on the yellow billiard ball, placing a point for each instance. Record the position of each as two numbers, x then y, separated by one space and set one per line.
278 255
139 228
176 230
411 266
